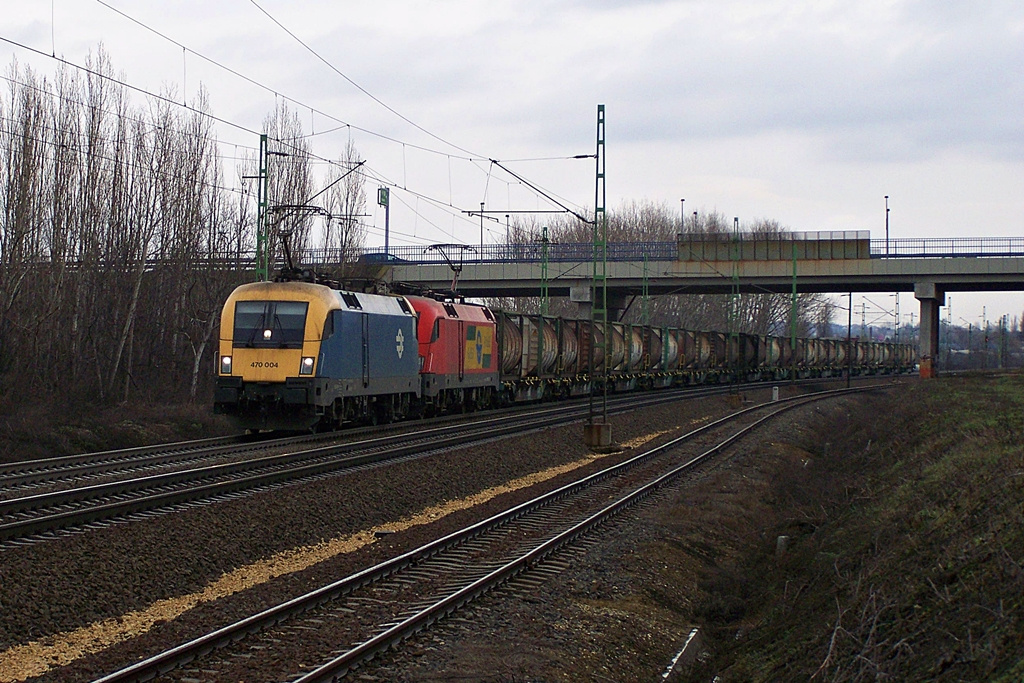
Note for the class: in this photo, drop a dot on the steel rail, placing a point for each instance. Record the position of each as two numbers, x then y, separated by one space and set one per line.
189 651
57 470
27 471
60 469
499 426
339 666
283 468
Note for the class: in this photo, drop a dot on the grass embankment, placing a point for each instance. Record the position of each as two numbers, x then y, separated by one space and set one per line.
906 551
29 431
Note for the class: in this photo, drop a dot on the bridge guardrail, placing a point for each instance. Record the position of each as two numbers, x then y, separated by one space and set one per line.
895 248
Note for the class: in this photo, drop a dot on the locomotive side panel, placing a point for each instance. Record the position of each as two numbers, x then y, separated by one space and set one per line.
369 351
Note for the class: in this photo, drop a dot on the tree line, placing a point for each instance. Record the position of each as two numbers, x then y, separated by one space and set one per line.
637 222
121 236
116 222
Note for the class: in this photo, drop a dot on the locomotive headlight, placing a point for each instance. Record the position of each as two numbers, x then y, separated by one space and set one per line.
225 365
306 367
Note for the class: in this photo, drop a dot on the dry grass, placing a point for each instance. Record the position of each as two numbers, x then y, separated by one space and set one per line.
32 430
906 545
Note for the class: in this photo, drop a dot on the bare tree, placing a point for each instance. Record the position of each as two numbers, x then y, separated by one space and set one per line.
345 202
22 131
289 179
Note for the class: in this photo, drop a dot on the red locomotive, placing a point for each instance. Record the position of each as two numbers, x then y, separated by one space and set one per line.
458 354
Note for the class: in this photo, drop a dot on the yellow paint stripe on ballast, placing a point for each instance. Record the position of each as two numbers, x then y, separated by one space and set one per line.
21 662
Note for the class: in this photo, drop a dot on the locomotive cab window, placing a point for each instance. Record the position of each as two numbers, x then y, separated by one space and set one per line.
270 324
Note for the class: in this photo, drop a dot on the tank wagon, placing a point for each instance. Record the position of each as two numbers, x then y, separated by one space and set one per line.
301 353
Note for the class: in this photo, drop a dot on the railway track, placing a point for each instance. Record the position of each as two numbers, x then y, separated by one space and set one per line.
377 608
72 471
43 516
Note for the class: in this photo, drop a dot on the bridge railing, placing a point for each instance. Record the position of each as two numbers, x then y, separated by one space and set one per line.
945 247
524 253
902 247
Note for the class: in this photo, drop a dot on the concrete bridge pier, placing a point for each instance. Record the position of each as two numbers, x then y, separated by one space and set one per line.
932 298
584 296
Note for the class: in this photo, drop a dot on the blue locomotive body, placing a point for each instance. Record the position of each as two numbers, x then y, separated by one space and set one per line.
296 355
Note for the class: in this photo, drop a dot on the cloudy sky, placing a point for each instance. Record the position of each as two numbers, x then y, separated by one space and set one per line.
805 112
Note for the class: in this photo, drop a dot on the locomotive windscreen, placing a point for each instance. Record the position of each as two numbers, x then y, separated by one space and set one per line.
270 324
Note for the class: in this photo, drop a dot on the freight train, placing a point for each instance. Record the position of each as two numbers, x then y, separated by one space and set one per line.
302 353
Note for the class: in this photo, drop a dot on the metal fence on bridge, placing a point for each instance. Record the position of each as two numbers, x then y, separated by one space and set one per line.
947 247
895 248
904 247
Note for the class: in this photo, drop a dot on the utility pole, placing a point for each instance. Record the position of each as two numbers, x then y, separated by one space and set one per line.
792 313
970 347
896 315
886 225
734 300
849 343
984 320
599 433
384 199
262 251
544 299
645 301
1002 341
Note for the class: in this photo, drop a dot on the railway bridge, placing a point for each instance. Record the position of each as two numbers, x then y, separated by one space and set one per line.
835 262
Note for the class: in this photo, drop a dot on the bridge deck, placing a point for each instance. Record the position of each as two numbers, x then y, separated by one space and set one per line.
825 262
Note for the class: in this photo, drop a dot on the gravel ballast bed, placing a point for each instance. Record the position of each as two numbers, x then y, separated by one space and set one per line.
621 610
64 584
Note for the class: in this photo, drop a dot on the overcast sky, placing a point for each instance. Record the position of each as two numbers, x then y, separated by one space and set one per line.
808 113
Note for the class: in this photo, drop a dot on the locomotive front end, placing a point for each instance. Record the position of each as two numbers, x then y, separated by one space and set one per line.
302 355
269 345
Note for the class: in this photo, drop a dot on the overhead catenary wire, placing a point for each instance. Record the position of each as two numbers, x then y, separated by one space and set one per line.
126 164
277 93
356 85
233 125
57 94
129 86
193 110
472 157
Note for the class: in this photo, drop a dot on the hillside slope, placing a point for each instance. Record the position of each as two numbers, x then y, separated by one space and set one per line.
905 550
